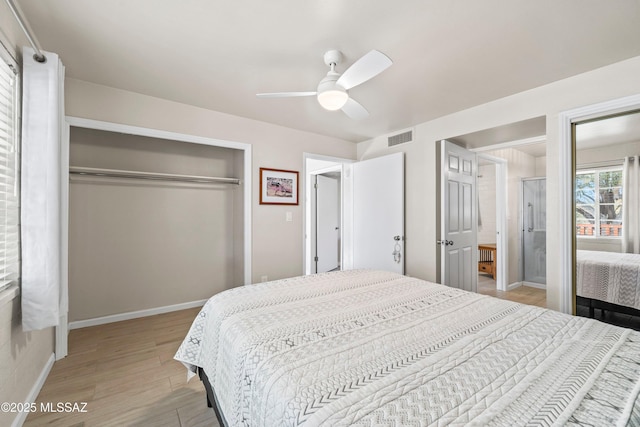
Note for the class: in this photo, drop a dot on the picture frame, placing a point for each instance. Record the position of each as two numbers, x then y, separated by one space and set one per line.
278 187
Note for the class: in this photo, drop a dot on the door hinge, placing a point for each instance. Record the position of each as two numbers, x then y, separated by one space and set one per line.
315 186
315 259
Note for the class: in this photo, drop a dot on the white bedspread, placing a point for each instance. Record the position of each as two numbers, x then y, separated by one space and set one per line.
609 276
371 348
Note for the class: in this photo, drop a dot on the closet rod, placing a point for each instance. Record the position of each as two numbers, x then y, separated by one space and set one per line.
117 173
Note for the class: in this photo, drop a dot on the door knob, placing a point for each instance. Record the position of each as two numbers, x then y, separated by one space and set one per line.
397 250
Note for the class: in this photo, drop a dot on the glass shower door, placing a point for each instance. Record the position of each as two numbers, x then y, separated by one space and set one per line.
534 230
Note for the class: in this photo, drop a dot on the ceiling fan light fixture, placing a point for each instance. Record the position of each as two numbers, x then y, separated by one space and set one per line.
331 95
333 90
333 99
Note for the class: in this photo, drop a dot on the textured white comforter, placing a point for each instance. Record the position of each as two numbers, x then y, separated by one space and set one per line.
609 276
371 348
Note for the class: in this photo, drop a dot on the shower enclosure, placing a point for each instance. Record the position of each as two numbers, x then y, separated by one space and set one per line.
534 231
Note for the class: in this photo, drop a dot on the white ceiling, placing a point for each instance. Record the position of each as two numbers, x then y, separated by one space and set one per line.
448 54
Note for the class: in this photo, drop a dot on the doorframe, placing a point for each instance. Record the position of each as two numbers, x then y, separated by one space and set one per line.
566 159
502 230
306 198
62 330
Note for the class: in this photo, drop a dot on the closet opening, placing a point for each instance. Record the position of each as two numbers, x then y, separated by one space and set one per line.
157 221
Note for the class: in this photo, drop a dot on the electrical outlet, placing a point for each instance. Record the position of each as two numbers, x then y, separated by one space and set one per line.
264 278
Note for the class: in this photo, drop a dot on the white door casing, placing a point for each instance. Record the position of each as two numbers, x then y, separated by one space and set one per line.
327 223
458 243
378 213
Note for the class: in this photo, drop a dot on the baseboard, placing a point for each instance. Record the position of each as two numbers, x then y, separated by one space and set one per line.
35 390
513 286
134 314
535 285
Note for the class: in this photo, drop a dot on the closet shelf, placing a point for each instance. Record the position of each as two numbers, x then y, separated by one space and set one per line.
153 176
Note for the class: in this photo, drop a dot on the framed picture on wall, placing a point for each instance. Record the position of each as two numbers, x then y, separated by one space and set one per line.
278 187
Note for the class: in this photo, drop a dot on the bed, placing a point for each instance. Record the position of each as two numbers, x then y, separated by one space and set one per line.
372 348
608 280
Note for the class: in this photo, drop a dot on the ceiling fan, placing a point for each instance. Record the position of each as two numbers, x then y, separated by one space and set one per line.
332 92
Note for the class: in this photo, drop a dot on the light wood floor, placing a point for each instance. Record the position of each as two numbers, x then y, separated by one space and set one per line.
126 373
523 294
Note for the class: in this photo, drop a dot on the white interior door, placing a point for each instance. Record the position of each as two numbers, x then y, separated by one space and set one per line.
327 223
378 213
459 222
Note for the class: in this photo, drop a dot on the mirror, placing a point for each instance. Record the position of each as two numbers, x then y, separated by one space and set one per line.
606 189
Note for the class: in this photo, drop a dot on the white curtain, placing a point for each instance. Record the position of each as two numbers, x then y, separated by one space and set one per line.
631 205
42 115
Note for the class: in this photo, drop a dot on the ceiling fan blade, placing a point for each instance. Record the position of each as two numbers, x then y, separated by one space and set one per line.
365 68
355 110
285 94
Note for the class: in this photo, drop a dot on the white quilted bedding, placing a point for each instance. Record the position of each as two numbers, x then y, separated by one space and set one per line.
609 276
371 348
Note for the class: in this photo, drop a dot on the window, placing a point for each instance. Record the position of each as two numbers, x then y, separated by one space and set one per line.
599 202
9 171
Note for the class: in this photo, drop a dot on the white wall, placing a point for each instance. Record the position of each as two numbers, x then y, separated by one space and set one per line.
541 166
607 83
277 244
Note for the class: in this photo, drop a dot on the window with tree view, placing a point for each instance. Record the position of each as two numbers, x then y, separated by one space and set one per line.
599 202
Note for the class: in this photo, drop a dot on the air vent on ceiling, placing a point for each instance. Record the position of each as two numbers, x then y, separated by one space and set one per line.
400 138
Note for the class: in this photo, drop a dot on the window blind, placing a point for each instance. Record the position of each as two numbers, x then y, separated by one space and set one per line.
9 173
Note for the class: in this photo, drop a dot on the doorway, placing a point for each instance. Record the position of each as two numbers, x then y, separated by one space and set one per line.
326 222
331 241
370 233
518 149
